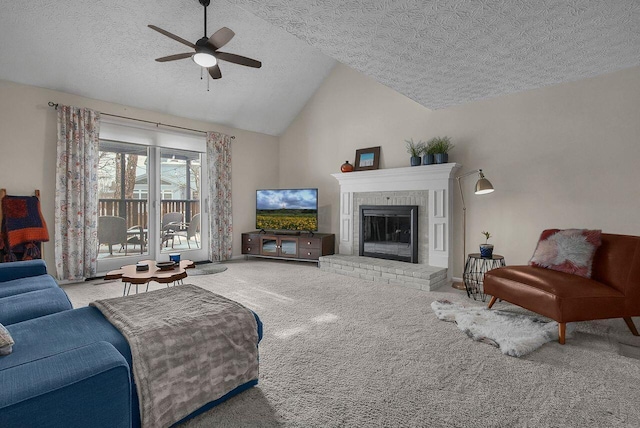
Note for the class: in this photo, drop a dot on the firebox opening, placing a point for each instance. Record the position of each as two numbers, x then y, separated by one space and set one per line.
389 232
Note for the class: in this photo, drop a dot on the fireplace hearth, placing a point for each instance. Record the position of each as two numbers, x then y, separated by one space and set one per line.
389 232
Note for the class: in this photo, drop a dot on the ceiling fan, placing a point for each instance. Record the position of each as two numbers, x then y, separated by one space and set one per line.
206 49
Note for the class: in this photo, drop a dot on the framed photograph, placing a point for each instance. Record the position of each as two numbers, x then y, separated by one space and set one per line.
367 159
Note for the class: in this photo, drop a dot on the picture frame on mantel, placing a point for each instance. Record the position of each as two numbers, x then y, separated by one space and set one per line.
367 159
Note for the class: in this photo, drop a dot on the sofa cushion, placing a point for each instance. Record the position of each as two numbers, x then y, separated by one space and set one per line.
34 304
570 250
59 332
561 296
6 341
24 285
22 269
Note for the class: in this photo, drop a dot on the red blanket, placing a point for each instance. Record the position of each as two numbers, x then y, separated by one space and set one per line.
22 220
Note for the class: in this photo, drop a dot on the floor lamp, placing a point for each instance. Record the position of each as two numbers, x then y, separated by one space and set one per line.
483 186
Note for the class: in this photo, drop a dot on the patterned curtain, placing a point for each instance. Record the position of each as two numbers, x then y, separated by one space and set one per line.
220 218
76 199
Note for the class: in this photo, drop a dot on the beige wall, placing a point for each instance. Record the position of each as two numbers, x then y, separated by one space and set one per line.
349 111
561 156
28 138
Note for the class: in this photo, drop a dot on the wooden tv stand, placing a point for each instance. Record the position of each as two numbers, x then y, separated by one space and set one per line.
302 247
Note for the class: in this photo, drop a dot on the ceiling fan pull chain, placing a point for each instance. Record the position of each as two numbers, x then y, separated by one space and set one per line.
200 73
208 80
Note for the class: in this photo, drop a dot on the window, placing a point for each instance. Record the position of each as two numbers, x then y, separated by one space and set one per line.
140 194
180 178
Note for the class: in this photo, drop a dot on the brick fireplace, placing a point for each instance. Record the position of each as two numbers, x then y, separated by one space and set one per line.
429 187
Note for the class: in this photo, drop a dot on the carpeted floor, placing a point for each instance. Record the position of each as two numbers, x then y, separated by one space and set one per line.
340 351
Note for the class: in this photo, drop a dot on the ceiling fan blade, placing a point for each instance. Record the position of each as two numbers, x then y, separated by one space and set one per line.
237 59
221 37
215 72
173 36
175 57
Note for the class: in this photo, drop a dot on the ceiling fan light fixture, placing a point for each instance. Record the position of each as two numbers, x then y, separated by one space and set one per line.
204 59
206 49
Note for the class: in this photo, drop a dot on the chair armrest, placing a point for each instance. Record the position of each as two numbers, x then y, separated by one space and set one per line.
135 234
86 386
172 226
24 269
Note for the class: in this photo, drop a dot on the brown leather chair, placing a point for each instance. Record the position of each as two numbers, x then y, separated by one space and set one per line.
613 291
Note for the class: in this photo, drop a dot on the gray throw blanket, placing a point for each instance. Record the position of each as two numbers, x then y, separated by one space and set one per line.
189 347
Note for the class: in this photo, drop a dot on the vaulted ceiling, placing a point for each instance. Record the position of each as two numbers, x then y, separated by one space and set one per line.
446 52
104 50
438 52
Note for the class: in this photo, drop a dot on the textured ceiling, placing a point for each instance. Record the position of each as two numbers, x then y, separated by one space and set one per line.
437 52
104 50
446 52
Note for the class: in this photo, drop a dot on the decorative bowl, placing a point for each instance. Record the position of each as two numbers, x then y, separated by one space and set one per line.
165 265
141 267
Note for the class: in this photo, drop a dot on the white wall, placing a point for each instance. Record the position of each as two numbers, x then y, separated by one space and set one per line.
561 156
28 136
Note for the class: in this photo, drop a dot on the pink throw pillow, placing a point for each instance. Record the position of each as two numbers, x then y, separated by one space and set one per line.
568 250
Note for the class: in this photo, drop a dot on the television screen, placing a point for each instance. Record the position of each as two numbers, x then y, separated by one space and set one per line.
287 209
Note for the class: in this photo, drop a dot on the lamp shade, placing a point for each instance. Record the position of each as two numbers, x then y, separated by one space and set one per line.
483 186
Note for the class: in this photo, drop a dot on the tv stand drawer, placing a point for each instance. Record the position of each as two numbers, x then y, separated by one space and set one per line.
309 253
250 244
309 243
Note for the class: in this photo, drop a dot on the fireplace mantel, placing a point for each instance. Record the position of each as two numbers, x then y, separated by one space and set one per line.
437 179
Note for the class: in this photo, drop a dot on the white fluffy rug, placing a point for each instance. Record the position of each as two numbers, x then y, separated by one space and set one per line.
516 335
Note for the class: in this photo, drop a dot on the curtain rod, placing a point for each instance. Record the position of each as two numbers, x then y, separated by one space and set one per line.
55 105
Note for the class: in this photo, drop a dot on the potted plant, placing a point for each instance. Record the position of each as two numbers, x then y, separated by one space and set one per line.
415 150
486 249
429 154
441 147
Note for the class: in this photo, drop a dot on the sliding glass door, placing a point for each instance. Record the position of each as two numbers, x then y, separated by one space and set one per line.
150 204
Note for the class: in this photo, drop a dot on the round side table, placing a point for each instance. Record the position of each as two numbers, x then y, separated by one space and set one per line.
474 271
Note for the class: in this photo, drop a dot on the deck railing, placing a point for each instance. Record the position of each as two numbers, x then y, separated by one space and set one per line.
136 211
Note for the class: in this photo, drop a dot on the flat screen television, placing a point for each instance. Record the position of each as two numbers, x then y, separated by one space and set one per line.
287 209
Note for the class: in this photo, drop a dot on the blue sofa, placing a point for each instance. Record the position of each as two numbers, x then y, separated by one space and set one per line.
73 369
27 292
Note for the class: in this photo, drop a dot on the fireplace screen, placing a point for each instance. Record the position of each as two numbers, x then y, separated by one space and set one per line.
389 232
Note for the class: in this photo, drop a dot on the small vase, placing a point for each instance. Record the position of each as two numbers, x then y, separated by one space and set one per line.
486 251
441 157
415 160
346 167
427 159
